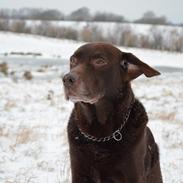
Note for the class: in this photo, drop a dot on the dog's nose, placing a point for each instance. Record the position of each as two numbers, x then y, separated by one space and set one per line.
68 80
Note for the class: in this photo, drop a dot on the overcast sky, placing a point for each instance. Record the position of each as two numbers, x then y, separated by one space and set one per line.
131 9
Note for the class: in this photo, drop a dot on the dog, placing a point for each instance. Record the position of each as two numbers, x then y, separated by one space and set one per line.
109 141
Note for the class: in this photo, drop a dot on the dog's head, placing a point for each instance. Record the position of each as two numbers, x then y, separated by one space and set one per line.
100 70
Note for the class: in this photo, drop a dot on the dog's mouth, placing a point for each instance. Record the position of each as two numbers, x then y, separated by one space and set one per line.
82 91
85 97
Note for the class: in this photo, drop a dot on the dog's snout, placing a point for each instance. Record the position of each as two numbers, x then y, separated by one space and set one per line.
69 79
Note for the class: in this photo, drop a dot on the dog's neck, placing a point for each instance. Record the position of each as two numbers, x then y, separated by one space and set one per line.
106 114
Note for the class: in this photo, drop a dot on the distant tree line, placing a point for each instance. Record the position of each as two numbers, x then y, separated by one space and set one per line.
121 34
149 17
81 14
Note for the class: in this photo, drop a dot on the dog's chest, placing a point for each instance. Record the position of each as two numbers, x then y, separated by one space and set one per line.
101 154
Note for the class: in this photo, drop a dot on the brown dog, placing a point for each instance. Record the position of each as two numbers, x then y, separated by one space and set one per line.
108 137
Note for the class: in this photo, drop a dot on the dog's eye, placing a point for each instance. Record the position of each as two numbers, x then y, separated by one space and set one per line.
73 62
124 64
100 62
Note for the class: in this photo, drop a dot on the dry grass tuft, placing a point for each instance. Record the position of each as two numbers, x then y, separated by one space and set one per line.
4 132
24 136
167 116
27 135
28 75
4 68
9 105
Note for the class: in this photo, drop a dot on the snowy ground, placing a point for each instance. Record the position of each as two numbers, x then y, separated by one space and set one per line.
12 44
34 114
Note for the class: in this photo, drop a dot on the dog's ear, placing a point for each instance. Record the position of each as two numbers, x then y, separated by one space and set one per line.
136 67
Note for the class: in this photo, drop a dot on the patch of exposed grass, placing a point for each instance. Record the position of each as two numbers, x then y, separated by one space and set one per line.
28 75
4 68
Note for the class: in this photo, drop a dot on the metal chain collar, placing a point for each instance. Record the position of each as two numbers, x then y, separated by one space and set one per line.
116 135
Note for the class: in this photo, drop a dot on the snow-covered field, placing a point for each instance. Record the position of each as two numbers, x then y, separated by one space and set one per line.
12 44
34 113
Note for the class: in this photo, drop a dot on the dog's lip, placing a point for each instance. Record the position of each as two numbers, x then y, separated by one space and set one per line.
82 96
86 98
83 99
73 93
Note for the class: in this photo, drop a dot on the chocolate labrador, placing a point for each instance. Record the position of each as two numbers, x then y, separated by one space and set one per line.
108 137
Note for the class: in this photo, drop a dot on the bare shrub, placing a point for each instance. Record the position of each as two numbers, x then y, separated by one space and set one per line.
179 43
4 24
68 33
144 41
51 31
45 28
86 34
174 41
114 35
41 28
28 75
18 26
91 33
156 38
128 38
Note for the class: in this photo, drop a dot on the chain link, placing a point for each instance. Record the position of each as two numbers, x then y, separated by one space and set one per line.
116 135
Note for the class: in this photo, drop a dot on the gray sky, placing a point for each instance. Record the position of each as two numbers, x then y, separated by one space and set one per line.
131 9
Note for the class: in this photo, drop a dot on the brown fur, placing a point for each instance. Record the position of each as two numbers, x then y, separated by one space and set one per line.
134 159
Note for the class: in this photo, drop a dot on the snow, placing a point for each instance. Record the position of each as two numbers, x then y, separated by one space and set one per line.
47 47
55 48
34 114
